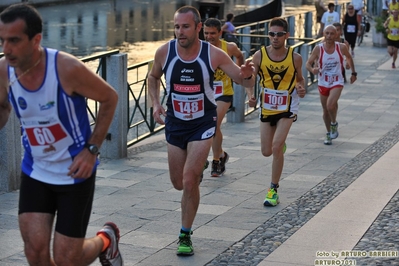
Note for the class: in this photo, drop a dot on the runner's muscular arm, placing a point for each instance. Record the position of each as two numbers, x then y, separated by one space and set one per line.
349 60
5 106
256 61
154 83
239 74
300 81
313 56
233 50
77 79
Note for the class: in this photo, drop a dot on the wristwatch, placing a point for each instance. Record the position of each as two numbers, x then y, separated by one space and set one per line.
250 77
93 149
354 74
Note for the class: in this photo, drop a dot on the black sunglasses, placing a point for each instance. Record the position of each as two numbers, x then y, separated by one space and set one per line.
277 33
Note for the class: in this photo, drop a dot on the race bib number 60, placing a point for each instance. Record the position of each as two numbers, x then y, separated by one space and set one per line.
45 137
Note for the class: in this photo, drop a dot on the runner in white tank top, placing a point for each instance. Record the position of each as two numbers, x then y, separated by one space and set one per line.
329 56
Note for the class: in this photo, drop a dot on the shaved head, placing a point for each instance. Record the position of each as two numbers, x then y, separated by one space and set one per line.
330 28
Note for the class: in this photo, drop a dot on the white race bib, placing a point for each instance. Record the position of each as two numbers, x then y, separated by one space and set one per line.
188 107
218 88
331 78
351 28
275 100
45 135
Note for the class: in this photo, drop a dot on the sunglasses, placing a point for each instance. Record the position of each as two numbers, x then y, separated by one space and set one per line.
277 33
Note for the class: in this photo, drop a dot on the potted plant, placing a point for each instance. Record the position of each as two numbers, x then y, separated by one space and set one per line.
379 32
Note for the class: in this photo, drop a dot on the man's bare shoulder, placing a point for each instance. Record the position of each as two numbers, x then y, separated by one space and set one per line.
163 49
297 56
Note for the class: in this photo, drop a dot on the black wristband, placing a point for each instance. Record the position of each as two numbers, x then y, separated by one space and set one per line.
354 74
249 77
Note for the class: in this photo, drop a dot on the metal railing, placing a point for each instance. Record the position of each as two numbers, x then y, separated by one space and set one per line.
141 123
101 69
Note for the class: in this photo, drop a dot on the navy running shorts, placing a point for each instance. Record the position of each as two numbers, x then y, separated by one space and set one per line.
181 133
71 203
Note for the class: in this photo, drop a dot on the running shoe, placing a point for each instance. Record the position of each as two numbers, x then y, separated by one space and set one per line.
185 247
215 172
334 130
393 65
111 256
271 198
327 140
223 161
205 167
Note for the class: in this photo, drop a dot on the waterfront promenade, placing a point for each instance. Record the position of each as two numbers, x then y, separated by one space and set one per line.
334 198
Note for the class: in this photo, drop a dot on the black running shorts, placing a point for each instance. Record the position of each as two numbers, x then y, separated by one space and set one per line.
71 203
273 119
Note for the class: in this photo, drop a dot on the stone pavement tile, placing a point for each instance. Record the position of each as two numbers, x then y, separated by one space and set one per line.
132 255
388 65
212 209
220 233
203 248
293 257
18 259
243 218
153 240
11 237
8 201
115 182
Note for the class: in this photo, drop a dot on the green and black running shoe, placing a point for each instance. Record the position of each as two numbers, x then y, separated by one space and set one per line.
185 247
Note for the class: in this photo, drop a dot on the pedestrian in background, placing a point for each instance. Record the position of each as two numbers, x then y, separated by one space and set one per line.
189 66
228 28
351 27
282 84
223 90
328 18
48 90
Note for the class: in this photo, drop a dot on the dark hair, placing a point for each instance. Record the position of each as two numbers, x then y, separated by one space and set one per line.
279 22
337 24
229 16
331 5
213 22
188 9
27 13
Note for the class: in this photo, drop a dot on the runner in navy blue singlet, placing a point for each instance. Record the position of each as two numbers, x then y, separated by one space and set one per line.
188 65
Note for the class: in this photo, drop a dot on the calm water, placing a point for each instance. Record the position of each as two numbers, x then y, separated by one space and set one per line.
105 24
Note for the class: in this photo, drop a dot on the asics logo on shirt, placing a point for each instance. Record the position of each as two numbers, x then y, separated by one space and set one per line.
185 70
